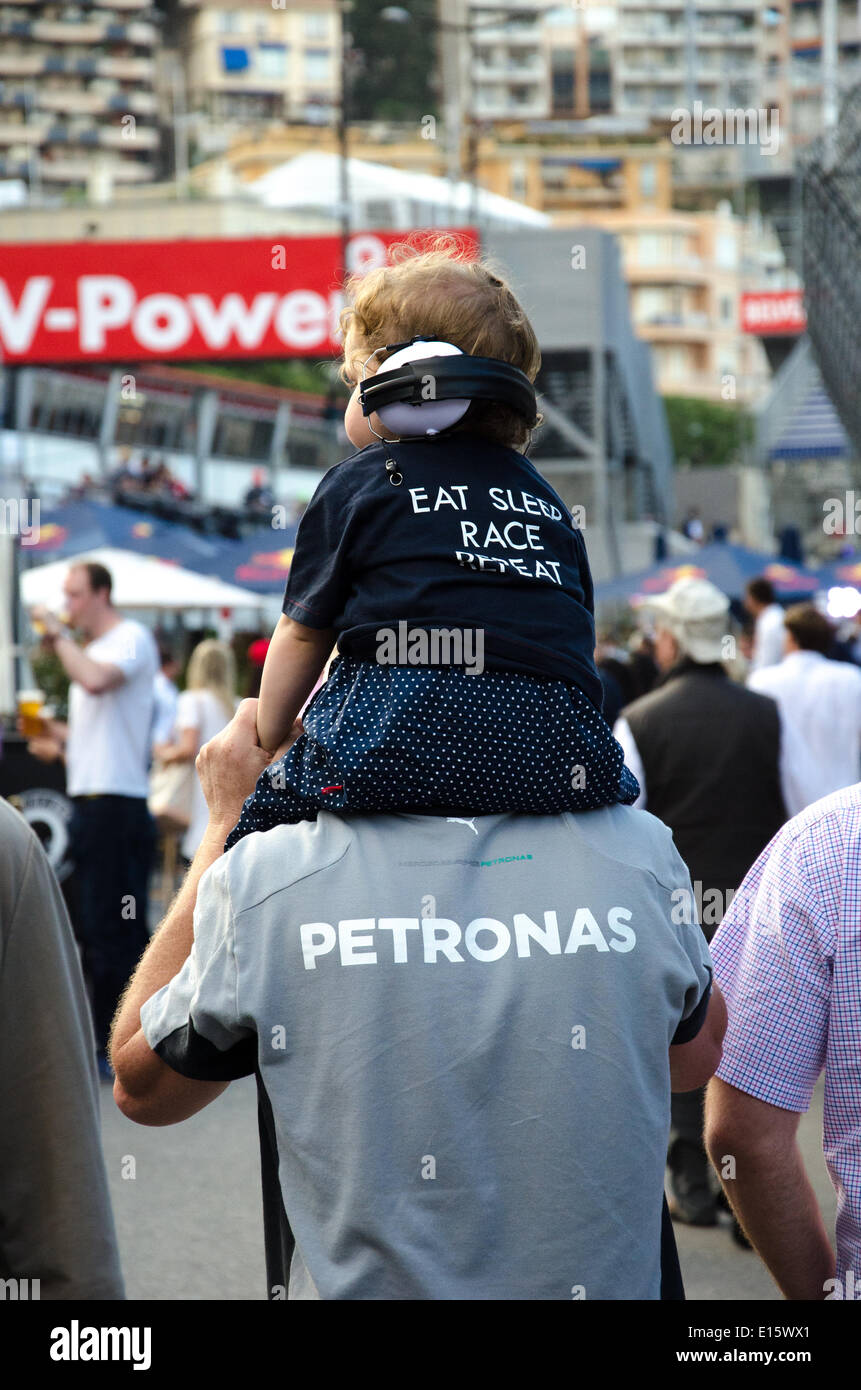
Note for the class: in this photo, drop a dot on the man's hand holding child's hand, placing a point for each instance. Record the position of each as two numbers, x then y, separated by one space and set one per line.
229 765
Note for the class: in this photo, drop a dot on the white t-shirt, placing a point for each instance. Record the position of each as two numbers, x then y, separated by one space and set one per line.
769 635
203 711
109 734
822 699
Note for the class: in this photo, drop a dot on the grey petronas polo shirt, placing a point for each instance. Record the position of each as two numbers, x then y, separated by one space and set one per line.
460 1032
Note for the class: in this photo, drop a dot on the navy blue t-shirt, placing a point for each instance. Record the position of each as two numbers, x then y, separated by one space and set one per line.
473 538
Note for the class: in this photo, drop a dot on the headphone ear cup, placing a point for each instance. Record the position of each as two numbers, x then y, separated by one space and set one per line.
431 416
428 418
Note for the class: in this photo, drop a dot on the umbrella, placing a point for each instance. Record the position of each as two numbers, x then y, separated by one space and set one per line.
140 582
260 562
729 567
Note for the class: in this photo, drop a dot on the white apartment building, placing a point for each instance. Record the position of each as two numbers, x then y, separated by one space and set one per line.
686 273
493 64
801 57
257 63
766 54
669 53
77 93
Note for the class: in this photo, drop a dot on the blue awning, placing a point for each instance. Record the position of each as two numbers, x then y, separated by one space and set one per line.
235 59
814 431
601 165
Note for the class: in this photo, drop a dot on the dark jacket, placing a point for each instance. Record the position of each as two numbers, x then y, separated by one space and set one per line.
711 757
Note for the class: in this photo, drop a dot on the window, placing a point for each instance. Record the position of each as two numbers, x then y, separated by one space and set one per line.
648 181
316 26
518 180
726 255
229 22
649 248
726 308
317 64
272 60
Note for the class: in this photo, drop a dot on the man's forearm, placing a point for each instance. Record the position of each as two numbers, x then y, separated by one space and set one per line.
165 955
78 666
772 1197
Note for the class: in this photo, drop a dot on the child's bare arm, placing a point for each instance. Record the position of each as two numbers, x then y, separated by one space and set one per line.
295 659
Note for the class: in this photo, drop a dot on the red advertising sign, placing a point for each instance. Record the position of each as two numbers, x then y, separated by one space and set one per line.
140 300
773 312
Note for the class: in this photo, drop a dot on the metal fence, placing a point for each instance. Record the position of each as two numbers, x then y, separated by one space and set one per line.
831 204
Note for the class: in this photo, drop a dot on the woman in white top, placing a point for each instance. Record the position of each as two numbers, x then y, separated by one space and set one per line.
205 706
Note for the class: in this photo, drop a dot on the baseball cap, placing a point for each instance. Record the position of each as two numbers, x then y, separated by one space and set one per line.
695 612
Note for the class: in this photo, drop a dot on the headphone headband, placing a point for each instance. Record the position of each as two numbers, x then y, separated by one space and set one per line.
453 378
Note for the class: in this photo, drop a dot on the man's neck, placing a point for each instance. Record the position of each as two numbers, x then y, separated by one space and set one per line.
110 618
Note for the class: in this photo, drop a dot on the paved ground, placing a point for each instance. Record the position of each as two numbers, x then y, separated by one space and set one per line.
190 1224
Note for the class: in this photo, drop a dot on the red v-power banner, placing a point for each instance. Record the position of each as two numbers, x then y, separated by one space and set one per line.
79 302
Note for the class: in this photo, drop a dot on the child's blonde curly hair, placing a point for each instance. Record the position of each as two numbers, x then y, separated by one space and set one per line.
440 293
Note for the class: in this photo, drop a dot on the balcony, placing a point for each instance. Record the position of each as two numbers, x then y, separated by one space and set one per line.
743 38
508 72
93 31
509 37
21 64
134 69
77 169
686 270
560 198
15 133
675 328
641 35
145 5
115 137
506 108
81 101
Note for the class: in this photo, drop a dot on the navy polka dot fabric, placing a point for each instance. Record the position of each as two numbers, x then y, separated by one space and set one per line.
437 740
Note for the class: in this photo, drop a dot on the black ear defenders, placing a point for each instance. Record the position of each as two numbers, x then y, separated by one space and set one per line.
408 390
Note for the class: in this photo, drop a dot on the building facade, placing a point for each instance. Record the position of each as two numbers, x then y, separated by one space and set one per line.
686 273
256 64
78 93
669 53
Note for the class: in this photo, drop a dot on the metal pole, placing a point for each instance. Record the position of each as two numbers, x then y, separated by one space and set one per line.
180 128
108 423
690 53
344 142
830 100
453 40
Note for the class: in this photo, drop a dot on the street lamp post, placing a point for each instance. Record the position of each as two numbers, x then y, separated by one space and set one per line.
343 133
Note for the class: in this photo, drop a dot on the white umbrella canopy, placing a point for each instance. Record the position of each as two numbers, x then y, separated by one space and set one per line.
312 181
138 582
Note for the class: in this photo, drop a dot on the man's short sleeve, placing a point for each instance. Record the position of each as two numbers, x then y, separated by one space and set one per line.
682 912
193 1023
130 648
772 957
319 583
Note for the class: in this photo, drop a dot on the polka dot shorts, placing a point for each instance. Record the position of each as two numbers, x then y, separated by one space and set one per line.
437 740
